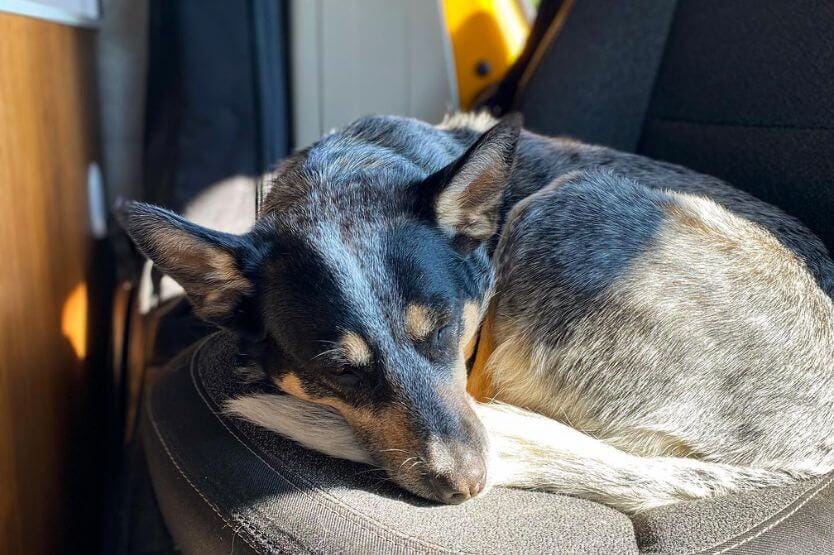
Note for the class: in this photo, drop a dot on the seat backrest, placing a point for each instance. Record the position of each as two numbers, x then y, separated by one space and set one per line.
744 90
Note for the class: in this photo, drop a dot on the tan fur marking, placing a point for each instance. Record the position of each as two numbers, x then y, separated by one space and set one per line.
469 337
290 384
468 340
387 427
419 321
390 422
464 203
448 212
210 275
186 253
468 347
356 350
224 270
480 384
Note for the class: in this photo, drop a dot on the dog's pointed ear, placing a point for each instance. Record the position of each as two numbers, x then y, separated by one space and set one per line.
208 264
464 198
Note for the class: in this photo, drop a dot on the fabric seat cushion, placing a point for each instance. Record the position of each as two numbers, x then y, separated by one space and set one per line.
227 486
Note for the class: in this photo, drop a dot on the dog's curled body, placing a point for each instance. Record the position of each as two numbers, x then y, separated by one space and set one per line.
686 324
677 334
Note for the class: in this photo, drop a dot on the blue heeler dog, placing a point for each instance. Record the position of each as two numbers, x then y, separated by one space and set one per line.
654 334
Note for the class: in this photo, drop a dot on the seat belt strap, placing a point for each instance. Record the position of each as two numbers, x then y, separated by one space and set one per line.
593 73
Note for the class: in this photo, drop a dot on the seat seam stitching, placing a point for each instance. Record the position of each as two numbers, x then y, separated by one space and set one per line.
551 33
182 473
357 517
811 494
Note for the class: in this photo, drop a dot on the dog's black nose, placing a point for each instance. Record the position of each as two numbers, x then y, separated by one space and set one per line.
460 484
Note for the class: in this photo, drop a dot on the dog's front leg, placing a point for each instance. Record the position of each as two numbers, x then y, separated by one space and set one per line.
534 452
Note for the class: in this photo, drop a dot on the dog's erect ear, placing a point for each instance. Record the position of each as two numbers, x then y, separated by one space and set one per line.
208 264
465 196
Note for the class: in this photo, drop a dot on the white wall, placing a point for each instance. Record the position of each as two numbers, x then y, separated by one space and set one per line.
357 57
70 12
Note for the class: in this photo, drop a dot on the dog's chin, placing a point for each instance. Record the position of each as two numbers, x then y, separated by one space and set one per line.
418 486
421 486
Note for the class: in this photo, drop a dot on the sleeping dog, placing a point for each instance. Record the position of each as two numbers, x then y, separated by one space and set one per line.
648 334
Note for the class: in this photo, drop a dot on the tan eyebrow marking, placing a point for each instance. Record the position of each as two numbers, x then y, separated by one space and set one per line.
355 349
289 383
471 320
419 321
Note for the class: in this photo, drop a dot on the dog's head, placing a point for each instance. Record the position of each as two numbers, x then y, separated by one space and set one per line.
364 282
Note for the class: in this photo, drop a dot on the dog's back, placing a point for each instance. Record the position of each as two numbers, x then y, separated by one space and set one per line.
666 324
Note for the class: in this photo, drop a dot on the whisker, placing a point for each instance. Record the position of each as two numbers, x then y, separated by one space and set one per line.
328 352
407 460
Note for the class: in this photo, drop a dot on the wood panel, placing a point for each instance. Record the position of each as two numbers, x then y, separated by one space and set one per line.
47 140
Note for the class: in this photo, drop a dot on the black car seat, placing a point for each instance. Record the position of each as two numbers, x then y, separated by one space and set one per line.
743 90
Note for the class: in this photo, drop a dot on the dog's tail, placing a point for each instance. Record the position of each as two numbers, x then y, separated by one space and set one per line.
532 452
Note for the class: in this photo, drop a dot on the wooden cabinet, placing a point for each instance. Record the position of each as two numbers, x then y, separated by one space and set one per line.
48 138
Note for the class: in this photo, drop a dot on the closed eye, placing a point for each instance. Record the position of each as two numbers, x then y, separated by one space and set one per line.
347 376
440 344
443 335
